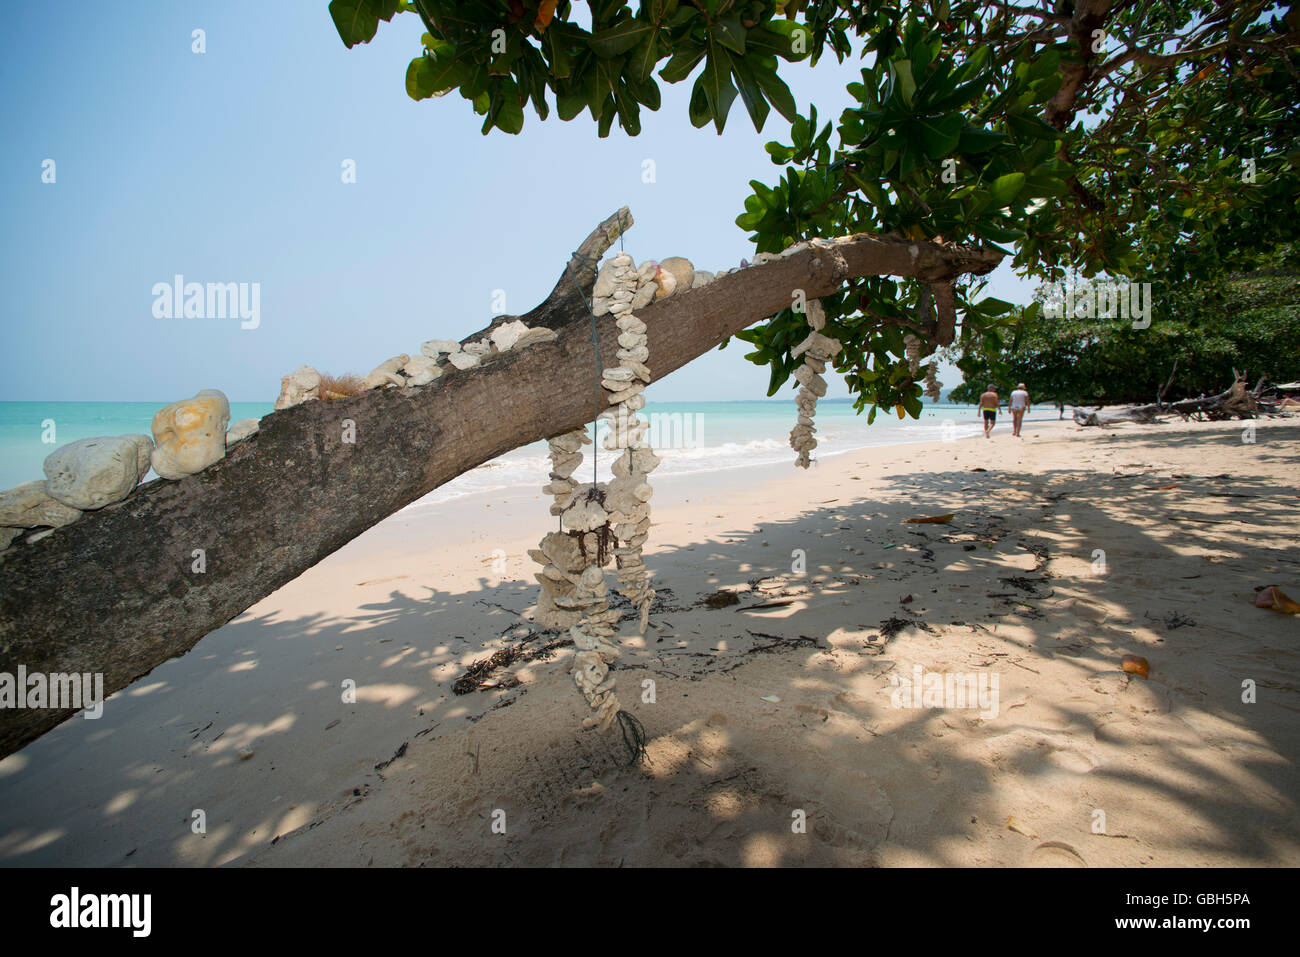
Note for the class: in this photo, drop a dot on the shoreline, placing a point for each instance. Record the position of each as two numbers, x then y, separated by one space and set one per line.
404 608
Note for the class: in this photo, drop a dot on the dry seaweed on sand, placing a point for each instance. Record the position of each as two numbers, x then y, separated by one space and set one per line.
719 599
475 676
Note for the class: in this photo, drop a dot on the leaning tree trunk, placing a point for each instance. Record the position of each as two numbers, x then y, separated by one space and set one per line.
115 593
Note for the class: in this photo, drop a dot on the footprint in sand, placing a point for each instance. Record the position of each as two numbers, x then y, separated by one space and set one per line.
1056 854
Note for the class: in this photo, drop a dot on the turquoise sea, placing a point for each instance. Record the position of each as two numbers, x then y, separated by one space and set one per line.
689 436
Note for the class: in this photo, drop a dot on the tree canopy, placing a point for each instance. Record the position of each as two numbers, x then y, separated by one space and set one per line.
1121 138
1249 322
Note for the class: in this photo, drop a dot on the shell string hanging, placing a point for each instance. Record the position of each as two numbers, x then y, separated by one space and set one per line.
817 350
574 593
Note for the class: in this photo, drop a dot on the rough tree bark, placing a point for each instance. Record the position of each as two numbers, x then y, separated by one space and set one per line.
114 592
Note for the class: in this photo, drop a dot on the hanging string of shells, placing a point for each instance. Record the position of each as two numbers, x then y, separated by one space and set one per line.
606 519
817 350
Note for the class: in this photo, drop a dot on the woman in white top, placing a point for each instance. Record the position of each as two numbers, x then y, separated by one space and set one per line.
1019 406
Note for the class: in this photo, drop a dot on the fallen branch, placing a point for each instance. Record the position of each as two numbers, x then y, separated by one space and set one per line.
1235 402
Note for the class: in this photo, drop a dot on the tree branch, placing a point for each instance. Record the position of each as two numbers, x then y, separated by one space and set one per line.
114 593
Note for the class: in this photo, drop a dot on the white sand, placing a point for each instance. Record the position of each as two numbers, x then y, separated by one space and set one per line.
1185 773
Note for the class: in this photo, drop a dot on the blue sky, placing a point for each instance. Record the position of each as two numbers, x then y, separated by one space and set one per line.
226 167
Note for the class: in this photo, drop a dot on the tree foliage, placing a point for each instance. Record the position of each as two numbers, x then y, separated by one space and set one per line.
1087 138
1249 322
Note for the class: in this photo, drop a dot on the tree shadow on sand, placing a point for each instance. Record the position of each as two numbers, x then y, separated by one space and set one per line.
732 774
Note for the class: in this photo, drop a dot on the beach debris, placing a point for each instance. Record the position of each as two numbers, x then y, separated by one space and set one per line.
719 599
386 373
1135 665
817 350
30 505
1270 596
91 473
1172 620
930 520
241 430
771 697
1014 825
245 753
301 385
190 435
400 752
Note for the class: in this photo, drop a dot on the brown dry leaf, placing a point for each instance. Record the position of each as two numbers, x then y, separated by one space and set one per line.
545 11
931 520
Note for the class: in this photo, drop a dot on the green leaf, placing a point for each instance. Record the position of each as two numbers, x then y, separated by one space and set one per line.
900 71
561 60
780 154
569 105
681 64
975 140
1031 127
992 306
607 116
750 92
647 91
643 59
698 110
775 89
717 86
432 75
357 21
1006 187
731 34
510 116
618 39
939 135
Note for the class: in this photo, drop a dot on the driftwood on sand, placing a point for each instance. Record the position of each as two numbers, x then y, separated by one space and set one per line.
116 593
1237 402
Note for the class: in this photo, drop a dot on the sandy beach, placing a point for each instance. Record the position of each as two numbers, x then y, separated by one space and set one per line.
1068 549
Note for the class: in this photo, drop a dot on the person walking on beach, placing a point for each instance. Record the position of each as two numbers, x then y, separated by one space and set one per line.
989 405
1019 406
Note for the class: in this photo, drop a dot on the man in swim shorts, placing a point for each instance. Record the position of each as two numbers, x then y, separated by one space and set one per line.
989 405
1019 406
